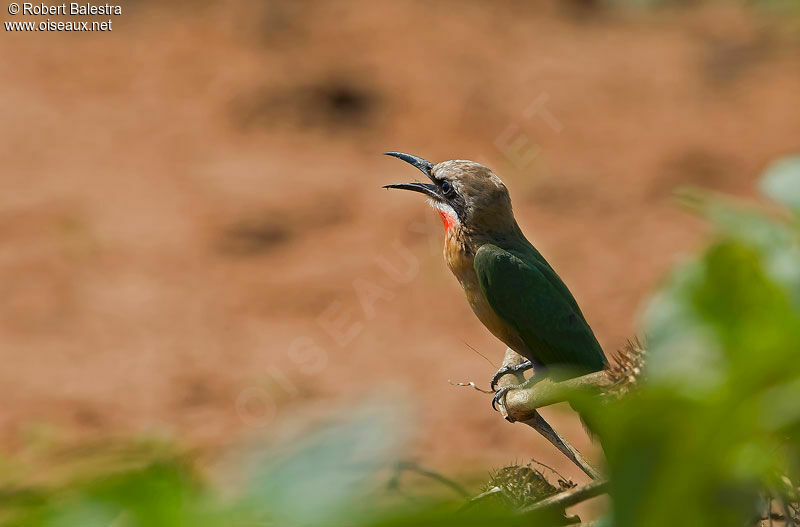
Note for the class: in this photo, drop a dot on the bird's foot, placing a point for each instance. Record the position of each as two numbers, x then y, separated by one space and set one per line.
518 368
500 395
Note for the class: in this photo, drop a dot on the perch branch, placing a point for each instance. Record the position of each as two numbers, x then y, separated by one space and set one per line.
521 404
570 497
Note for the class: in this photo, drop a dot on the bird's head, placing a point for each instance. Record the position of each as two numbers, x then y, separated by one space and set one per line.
464 193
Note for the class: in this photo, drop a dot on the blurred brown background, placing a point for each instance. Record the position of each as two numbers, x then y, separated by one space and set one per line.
194 238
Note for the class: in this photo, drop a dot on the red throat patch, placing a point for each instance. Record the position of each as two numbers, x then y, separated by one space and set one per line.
447 219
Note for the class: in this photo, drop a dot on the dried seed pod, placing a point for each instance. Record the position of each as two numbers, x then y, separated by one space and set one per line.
522 485
628 368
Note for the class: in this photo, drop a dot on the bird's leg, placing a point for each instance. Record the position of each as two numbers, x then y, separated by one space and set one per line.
510 368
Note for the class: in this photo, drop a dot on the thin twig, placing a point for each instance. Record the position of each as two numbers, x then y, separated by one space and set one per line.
783 503
551 469
480 354
787 513
408 466
570 497
538 423
469 383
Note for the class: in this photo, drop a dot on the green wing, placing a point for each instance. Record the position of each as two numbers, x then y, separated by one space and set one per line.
529 295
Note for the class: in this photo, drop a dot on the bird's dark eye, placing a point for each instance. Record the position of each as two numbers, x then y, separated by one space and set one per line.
447 188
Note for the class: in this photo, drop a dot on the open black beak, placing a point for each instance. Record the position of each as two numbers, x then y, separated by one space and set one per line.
426 167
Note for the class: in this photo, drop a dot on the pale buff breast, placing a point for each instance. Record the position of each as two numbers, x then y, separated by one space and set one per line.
460 263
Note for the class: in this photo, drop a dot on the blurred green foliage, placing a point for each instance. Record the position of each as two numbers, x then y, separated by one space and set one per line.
713 426
716 422
332 474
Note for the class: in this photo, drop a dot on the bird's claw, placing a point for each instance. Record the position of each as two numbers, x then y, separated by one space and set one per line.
500 396
509 369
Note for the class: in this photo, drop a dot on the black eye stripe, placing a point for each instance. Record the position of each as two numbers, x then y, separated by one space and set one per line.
447 188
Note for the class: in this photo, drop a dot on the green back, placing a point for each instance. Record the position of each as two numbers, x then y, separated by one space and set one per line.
527 293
